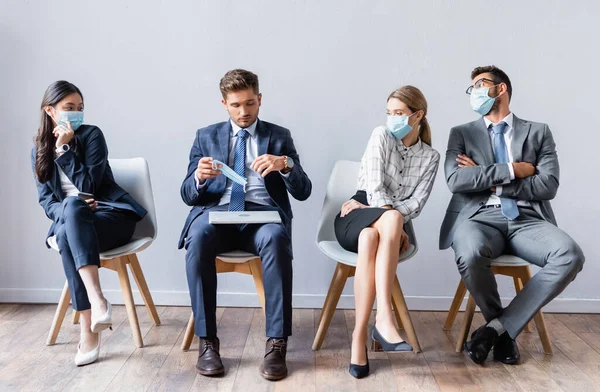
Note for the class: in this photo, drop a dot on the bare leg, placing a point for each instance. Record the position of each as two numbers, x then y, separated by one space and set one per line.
91 280
364 292
390 228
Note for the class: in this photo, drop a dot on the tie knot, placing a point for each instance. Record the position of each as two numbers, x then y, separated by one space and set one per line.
243 134
498 128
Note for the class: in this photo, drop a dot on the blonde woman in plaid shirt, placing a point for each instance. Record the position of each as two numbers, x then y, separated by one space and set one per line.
396 176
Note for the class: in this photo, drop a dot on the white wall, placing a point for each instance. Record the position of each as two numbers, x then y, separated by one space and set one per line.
149 71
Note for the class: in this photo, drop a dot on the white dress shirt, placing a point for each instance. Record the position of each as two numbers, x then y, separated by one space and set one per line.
396 175
65 183
508 137
255 188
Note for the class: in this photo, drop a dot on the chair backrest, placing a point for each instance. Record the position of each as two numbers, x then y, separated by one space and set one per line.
343 183
341 187
133 175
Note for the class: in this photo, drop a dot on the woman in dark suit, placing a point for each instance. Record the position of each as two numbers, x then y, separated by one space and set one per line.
90 213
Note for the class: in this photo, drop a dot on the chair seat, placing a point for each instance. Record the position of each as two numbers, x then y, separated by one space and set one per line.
334 250
509 261
236 256
135 246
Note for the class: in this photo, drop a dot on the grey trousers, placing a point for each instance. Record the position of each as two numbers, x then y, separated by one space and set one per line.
487 235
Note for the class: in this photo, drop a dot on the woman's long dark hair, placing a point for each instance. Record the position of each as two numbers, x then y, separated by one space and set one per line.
45 140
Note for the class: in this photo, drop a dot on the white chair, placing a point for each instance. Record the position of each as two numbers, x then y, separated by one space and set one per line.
507 265
234 261
343 184
133 175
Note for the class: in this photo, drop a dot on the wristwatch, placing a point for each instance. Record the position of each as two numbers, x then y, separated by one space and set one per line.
289 163
62 149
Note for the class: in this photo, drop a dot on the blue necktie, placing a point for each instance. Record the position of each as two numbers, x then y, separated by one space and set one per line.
238 196
509 206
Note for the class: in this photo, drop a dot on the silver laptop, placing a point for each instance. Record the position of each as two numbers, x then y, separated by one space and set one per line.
243 217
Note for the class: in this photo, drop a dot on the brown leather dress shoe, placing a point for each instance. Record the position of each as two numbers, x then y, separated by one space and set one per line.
209 360
273 367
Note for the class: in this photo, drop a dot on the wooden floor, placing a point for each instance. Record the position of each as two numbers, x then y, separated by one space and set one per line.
26 363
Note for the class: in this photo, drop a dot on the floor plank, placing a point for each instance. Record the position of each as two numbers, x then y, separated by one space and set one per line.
448 367
178 373
26 363
491 377
300 357
116 349
381 374
332 359
233 332
144 363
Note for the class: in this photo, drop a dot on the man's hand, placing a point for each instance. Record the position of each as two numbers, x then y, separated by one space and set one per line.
266 164
523 169
205 170
464 161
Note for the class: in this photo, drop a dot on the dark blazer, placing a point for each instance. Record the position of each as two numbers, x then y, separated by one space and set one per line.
89 171
213 141
471 186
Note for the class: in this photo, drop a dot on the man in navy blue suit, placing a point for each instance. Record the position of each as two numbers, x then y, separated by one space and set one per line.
264 153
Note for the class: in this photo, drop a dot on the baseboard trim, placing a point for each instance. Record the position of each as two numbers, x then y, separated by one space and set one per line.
306 301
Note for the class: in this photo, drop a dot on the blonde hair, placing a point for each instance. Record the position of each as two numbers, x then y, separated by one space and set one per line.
415 100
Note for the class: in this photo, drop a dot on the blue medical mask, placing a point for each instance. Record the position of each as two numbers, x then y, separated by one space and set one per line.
229 173
481 102
75 118
398 126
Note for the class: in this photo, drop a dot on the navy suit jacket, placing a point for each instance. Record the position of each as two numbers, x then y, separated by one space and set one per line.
213 141
89 171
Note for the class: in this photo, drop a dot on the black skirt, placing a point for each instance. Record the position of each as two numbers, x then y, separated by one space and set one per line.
348 228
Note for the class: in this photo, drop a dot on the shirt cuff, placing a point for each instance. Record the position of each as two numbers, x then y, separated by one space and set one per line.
511 170
198 185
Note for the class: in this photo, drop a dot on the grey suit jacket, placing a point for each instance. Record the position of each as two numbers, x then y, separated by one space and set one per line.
471 186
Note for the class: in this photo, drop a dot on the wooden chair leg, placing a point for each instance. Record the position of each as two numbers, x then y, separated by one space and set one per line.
75 317
59 316
397 315
400 304
256 271
466 324
342 271
461 291
540 323
129 304
140 280
189 334
518 288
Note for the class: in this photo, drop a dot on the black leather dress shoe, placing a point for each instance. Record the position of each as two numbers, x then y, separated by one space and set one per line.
482 341
209 360
506 350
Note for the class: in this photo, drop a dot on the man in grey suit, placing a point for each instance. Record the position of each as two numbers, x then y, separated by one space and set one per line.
503 171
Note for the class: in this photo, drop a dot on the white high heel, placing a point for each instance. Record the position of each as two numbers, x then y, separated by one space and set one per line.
82 359
104 321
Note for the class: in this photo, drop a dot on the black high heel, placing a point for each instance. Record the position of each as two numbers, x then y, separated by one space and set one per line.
378 343
360 371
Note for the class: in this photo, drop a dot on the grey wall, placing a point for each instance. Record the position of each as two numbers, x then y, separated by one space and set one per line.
149 71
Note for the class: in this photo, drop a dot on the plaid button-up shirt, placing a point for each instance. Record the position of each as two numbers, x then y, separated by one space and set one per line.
396 175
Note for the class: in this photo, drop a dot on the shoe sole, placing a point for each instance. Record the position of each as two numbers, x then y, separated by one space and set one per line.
99 327
217 372
507 362
272 377
472 356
